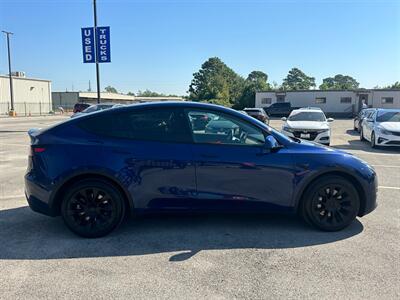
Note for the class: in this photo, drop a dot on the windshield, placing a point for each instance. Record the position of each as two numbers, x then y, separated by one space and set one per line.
307 116
388 116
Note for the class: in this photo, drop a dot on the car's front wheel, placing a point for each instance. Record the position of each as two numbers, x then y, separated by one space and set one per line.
362 134
92 208
373 141
331 203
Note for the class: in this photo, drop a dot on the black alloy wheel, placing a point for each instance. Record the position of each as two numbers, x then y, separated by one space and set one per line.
331 204
92 208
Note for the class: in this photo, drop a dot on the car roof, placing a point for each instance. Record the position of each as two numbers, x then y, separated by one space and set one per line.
253 108
307 110
182 104
310 108
388 109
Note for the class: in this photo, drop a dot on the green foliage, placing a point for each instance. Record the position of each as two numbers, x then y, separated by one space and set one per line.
148 93
131 94
297 80
396 85
256 81
111 89
339 82
216 82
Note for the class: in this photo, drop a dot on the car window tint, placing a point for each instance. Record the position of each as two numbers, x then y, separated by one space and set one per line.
220 128
165 125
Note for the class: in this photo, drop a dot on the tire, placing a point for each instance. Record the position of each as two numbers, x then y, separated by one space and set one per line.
373 142
362 134
330 204
92 208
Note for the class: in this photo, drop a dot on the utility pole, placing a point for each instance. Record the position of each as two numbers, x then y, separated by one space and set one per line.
95 51
12 112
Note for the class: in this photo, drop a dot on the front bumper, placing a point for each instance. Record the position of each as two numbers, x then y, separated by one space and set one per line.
38 198
387 139
321 138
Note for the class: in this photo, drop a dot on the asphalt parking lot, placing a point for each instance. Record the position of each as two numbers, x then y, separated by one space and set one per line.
253 257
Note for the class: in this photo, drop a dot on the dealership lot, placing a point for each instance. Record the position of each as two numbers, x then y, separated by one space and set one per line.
198 256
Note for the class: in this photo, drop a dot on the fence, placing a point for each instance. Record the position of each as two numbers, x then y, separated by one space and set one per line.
32 109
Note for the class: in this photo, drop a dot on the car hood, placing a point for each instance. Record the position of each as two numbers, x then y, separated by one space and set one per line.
391 126
307 125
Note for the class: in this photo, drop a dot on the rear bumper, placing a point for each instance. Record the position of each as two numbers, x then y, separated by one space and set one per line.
38 197
371 193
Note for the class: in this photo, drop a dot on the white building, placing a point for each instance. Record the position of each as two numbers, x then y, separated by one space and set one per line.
333 102
68 99
31 96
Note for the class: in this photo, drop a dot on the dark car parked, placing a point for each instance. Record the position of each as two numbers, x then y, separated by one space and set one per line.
258 113
78 107
95 169
280 109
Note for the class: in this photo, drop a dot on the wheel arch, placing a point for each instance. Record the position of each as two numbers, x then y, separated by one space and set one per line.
57 195
340 173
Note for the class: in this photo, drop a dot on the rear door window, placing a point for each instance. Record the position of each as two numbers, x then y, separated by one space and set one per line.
156 124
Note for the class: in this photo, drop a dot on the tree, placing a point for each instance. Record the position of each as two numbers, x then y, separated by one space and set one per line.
148 93
395 86
111 89
256 81
131 94
339 82
297 80
217 83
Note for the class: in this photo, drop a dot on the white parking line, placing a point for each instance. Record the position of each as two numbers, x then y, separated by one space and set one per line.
389 187
361 152
12 197
22 145
386 166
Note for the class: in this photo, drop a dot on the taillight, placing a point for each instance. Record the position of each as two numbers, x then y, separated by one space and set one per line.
38 149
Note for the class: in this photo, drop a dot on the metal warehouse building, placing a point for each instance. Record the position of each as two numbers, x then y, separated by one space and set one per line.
333 102
31 96
68 99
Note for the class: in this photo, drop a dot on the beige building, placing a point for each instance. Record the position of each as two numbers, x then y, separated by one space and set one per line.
68 99
333 102
31 96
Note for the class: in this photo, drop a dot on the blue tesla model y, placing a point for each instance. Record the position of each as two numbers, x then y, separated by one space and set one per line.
158 157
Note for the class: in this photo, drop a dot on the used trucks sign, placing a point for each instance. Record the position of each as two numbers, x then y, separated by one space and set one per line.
102 44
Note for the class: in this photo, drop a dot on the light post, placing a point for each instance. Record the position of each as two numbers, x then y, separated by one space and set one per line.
95 51
11 112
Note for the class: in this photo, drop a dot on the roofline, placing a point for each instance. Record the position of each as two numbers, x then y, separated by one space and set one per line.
355 91
25 78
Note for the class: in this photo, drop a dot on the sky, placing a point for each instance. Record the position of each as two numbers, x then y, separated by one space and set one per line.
158 45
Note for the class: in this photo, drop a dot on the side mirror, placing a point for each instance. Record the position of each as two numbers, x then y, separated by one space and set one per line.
284 119
271 143
331 119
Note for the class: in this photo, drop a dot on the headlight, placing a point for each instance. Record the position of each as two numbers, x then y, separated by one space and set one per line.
323 130
287 128
383 131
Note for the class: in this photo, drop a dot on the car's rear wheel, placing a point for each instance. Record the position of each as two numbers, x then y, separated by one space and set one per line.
331 203
92 208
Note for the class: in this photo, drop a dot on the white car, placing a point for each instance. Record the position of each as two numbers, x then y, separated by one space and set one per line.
308 124
381 127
